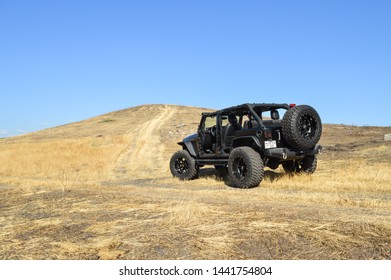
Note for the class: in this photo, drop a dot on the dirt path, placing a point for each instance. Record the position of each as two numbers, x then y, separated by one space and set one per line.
144 156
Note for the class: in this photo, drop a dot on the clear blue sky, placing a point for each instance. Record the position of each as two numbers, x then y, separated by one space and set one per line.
65 61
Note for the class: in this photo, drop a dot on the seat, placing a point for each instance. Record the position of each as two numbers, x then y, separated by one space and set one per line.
229 130
250 124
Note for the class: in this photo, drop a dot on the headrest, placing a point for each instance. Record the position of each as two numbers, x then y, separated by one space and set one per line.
274 114
232 119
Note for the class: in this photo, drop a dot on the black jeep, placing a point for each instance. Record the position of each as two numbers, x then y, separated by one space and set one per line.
242 140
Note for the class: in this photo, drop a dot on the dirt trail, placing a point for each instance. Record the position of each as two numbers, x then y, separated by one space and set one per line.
144 156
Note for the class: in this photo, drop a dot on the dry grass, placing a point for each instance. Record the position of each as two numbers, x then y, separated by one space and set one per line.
59 162
101 189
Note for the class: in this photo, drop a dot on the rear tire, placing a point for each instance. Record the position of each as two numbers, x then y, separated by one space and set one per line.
306 165
183 166
245 167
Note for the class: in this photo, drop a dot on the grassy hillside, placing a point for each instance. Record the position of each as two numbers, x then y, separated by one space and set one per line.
101 189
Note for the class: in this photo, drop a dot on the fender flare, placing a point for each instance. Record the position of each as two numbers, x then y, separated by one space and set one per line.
251 141
189 147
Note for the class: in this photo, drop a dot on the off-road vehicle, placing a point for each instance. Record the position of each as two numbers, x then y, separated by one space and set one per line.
240 141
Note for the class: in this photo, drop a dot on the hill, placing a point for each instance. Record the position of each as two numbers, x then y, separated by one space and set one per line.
101 189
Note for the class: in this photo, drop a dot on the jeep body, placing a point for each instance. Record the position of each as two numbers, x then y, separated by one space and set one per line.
244 139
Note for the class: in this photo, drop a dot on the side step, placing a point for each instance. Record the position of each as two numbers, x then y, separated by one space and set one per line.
209 161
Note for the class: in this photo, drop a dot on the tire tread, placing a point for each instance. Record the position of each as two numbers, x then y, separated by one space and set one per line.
257 167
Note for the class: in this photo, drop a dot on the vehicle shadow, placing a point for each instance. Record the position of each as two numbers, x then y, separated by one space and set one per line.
212 173
209 173
275 176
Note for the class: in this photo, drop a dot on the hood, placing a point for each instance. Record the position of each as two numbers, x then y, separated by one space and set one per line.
190 137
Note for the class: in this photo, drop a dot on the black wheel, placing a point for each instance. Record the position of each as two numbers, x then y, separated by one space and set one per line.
183 166
290 166
306 165
245 167
302 127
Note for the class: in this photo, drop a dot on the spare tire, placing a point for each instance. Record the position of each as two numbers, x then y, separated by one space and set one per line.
301 127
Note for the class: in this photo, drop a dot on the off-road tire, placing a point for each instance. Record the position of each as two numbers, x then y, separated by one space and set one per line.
245 167
301 127
305 165
183 166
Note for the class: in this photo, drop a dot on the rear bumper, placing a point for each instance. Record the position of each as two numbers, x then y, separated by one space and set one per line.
288 154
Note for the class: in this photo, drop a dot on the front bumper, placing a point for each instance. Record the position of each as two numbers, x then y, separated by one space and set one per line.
288 154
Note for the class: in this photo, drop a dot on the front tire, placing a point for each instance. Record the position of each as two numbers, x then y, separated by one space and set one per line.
245 167
183 166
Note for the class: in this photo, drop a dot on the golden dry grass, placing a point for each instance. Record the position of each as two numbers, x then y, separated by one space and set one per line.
101 189
87 157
